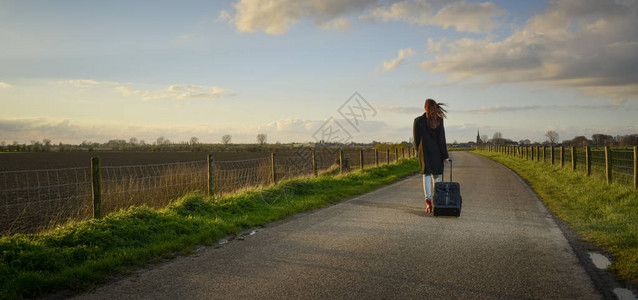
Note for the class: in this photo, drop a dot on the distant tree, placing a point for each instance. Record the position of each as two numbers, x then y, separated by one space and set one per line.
47 144
484 138
133 141
261 138
580 141
160 140
552 137
599 139
497 138
194 141
629 140
227 138
524 142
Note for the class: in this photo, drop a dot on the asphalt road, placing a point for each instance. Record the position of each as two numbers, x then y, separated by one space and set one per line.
383 245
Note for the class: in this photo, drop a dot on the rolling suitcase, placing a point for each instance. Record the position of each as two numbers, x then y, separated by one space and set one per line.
447 197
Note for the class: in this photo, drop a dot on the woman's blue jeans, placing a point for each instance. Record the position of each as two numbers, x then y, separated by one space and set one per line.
428 182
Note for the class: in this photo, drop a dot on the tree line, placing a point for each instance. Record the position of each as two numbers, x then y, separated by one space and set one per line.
161 143
552 139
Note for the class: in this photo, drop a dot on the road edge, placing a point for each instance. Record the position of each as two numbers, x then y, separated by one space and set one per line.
603 281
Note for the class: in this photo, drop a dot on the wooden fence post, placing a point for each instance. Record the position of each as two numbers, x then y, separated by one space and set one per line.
96 185
273 167
635 168
403 152
211 170
376 157
387 156
562 156
519 152
361 159
341 161
588 160
538 153
396 155
552 154
314 162
531 150
573 158
544 150
608 164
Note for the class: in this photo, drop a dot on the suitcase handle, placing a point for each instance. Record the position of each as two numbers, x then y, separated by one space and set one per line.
450 171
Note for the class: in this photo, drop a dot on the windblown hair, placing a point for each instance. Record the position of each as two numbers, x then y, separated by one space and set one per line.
434 112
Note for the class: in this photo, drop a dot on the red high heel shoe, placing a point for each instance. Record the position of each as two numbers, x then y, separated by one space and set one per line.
428 206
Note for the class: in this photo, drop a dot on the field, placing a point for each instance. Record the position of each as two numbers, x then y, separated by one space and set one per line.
41 190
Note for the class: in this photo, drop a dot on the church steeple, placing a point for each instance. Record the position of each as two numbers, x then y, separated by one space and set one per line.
478 137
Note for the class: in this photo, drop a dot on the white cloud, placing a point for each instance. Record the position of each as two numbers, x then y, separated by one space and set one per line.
86 82
412 110
615 105
224 16
462 15
435 47
418 11
4 85
337 24
176 92
285 130
589 45
395 62
276 16
468 17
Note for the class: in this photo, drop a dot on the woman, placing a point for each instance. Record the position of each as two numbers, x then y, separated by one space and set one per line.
429 139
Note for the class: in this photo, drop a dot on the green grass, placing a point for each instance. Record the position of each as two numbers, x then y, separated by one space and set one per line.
606 215
80 255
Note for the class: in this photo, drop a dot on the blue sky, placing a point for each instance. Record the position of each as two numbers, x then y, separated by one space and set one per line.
74 71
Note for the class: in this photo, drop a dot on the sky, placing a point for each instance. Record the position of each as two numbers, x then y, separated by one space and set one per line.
312 70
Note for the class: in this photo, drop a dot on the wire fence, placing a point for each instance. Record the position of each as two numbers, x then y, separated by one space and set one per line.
32 200
612 165
36 200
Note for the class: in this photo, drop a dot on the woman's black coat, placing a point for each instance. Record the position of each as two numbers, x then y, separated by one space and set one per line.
431 146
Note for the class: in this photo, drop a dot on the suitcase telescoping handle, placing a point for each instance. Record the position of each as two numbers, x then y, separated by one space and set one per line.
450 170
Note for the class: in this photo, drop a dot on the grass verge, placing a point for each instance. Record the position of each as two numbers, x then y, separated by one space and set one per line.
606 215
80 255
